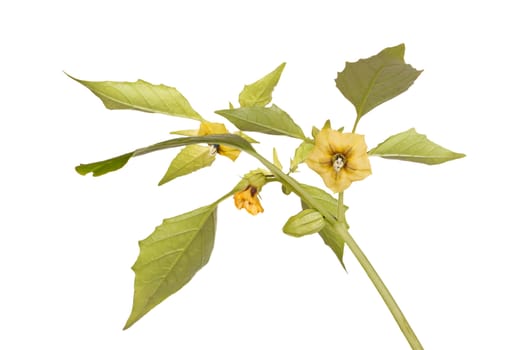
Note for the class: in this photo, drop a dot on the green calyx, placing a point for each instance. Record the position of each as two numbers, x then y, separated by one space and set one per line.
256 179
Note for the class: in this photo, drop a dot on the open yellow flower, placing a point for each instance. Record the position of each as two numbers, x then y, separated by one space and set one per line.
339 158
208 128
248 200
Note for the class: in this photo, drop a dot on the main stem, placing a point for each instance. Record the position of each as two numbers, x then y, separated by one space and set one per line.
339 224
376 280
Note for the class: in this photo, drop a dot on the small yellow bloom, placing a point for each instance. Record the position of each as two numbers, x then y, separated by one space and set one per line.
208 128
248 200
340 158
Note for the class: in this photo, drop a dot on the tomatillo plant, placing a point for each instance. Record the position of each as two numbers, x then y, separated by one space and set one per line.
182 244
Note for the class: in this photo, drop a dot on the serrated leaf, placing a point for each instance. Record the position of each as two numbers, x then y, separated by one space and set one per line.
276 160
413 147
369 82
108 165
269 120
301 153
141 96
190 159
260 92
170 257
328 233
306 222
105 166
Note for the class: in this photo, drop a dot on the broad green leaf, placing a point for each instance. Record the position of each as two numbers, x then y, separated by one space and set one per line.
190 159
276 160
369 82
269 120
105 166
170 257
141 96
328 233
304 223
108 165
260 92
413 147
301 153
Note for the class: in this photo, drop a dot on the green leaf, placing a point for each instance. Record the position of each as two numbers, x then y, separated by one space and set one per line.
272 120
141 96
190 159
301 153
260 92
170 257
328 233
413 147
276 160
334 241
246 137
304 223
191 132
369 82
105 166
323 198
315 131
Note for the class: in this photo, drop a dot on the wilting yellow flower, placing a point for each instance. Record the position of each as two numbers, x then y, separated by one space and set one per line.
208 128
248 200
340 158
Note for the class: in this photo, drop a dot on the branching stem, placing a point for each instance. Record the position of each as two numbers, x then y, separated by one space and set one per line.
339 223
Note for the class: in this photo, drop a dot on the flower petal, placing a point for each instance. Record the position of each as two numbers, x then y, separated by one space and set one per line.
337 181
248 200
208 128
330 143
230 152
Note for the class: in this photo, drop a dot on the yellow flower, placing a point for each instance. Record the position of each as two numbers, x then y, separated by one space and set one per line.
248 200
208 128
339 158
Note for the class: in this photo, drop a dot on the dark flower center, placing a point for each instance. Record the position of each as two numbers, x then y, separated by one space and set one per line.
338 162
214 149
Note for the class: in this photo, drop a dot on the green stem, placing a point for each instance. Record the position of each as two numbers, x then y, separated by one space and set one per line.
341 229
341 207
381 288
357 118
338 223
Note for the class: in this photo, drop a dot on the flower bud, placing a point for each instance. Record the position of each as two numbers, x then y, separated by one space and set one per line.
306 222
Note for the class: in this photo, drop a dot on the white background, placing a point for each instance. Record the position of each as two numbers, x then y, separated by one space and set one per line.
447 240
